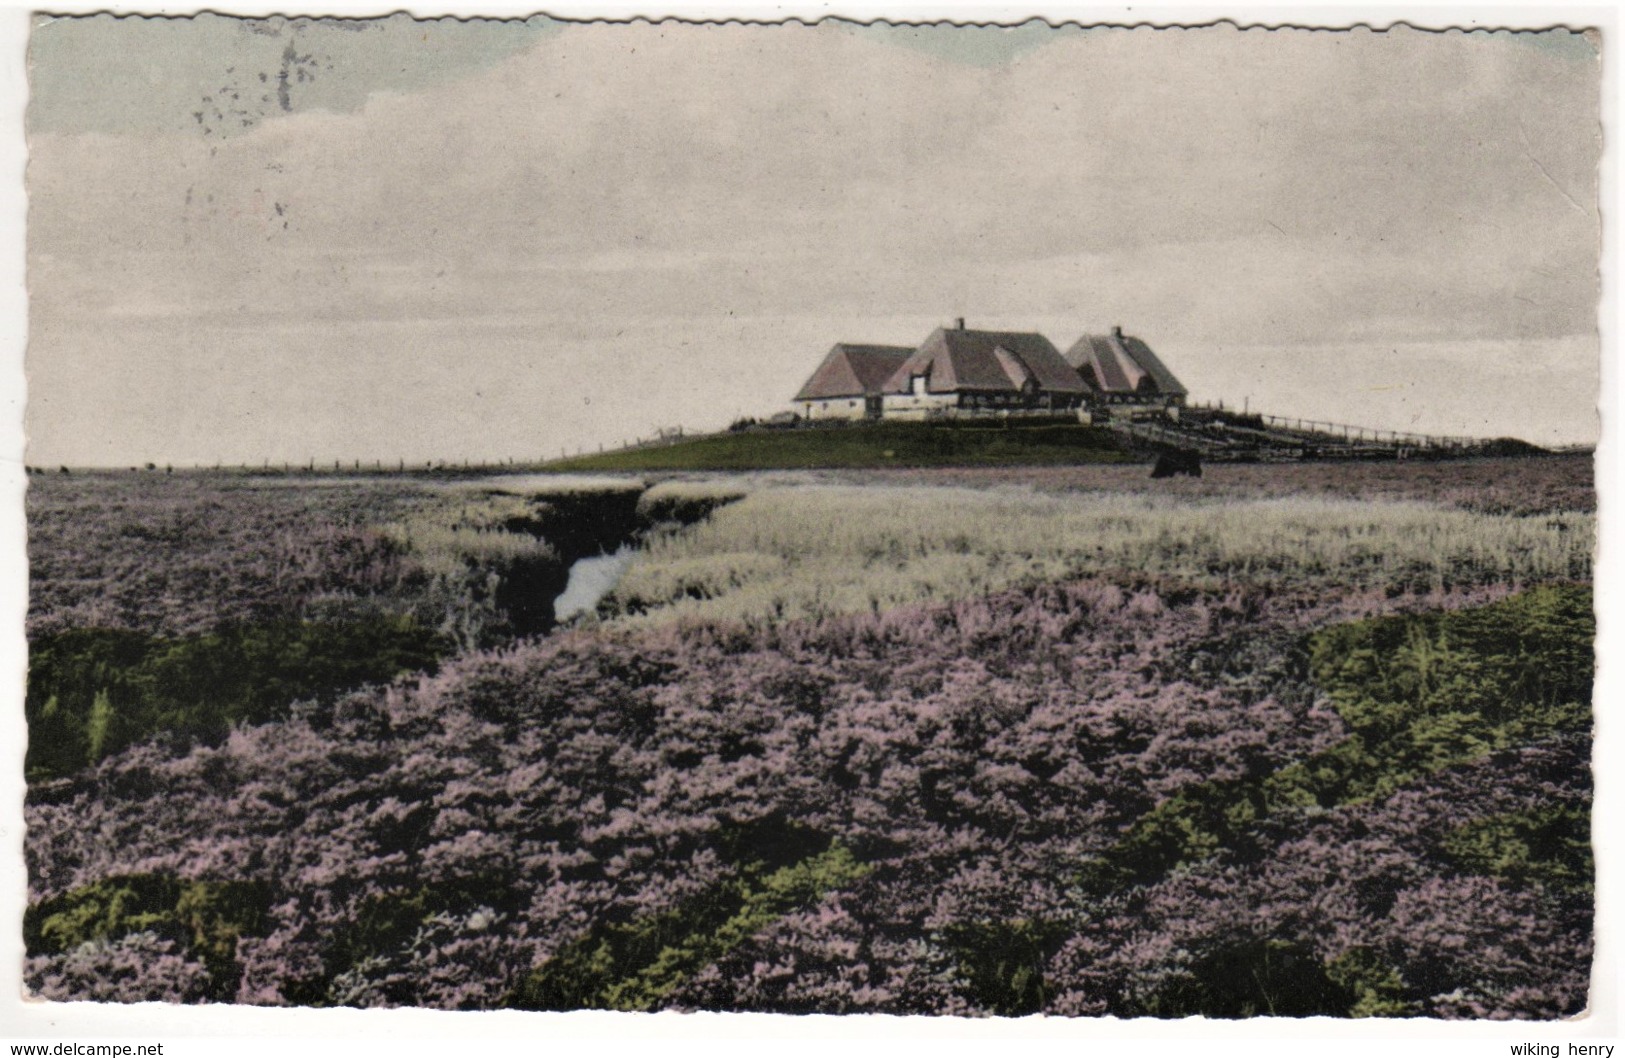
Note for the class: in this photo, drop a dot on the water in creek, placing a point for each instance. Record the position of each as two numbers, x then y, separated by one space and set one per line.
590 580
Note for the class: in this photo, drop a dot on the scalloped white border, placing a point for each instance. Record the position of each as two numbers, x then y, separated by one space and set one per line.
251 1032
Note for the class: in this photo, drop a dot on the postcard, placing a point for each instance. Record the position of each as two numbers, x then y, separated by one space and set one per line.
1061 517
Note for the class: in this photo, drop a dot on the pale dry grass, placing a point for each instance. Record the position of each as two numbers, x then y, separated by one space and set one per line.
804 552
700 489
543 485
449 540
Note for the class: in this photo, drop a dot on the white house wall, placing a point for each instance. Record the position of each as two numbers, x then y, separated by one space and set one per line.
910 406
840 408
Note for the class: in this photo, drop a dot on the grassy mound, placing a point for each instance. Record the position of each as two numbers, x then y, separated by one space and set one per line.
887 444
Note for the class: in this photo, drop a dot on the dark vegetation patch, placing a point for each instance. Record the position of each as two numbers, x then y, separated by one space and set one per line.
1546 844
1509 446
636 965
675 507
579 524
203 918
885 444
1255 977
92 692
1002 963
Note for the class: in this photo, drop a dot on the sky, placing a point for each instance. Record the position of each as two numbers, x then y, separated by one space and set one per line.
275 240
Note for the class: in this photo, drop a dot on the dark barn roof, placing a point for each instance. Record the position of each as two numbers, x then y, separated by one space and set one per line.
988 362
1119 363
854 371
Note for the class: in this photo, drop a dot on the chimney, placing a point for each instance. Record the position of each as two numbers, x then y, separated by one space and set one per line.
960 324
1117 332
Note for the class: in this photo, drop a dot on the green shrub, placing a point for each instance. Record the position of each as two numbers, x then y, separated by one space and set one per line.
635 965
1372 986
1003 963
1252 978
1420 693
1550 845
91 692
205 917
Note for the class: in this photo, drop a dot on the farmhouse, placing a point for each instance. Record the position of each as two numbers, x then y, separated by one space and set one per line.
1122 370
962 368
851 380
958 371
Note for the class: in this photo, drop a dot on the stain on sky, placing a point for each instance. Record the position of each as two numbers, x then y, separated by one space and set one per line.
1581 46
970 45
989 46
248 97
227 75
223 75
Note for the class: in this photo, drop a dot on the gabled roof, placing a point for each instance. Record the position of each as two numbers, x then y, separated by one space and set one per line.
1119 363
854 371
987 361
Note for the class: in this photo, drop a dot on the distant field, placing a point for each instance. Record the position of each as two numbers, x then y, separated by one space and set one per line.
1488 484
870 445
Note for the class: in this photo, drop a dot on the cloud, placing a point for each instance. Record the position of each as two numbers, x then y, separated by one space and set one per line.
1208 187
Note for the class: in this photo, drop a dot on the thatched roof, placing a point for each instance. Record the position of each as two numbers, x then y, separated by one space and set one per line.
1119 363
854 371
959 360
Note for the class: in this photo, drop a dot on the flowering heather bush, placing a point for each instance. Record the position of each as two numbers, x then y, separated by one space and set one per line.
183 555
948 750
873 812
184 604
1366 907
137 967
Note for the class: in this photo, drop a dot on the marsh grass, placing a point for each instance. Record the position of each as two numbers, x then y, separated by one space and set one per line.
543 485
449 540
678 503
471 554
787 553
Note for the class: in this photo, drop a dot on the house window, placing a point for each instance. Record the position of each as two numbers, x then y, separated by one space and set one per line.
919 385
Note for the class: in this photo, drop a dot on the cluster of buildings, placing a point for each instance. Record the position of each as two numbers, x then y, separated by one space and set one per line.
962 372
